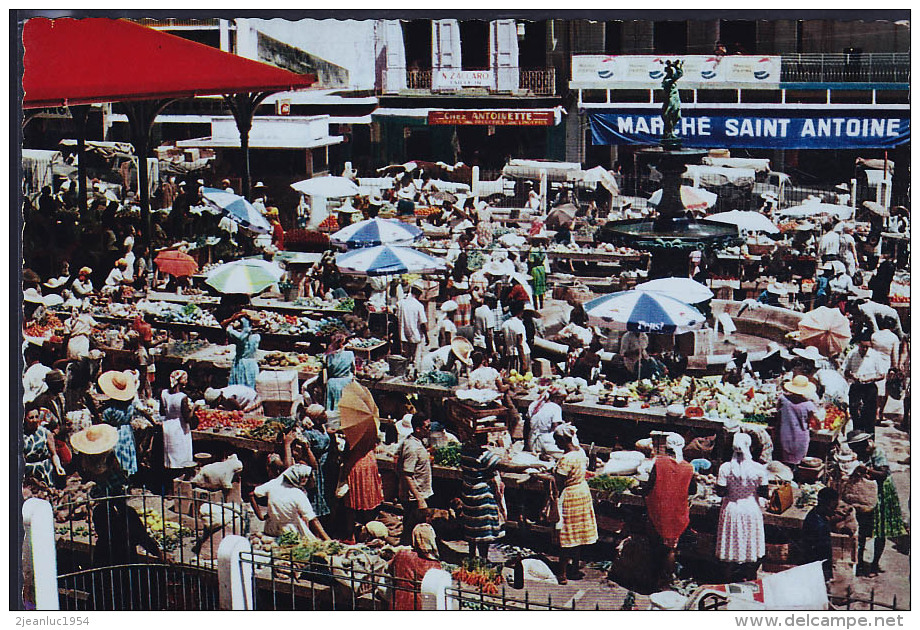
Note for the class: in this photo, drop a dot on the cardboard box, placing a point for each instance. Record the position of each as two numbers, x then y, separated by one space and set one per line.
277 385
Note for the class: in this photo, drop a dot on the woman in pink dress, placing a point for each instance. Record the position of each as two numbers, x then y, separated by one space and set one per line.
740 539
410 566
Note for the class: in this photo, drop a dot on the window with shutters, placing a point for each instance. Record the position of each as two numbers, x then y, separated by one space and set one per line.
417 40
474 44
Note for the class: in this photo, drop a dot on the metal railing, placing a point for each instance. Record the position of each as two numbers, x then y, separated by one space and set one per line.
851 602
100 569
846 68
480 600
538 82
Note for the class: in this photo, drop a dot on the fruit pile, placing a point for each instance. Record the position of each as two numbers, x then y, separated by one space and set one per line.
520 379
167 533
329 224
42 327
424 211
834 418
475 572
218 418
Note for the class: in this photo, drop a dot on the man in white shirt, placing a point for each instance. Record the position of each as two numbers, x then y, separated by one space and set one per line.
117 278
515 337
829 244
887 344
864 368
485 323
413 324
876 313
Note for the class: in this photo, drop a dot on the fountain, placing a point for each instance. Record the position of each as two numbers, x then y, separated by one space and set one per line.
673 234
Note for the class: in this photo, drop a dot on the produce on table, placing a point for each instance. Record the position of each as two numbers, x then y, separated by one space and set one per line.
268 431
443 379
479 573
520 379
43 327
448 455
375 370
614 484
361 344
329 224
219 418
168 534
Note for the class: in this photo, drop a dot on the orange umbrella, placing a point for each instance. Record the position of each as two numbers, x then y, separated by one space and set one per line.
176 263
359 420
825 328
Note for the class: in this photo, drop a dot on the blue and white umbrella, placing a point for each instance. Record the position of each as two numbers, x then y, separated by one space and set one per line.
384 260
237 209
372 232
643 311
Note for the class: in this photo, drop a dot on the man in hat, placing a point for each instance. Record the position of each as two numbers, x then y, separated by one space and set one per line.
448 358
772 295
822 282
485 323
83 285
234 398
864 368
445 328
52 398
848 248
413 324
874 314
118 278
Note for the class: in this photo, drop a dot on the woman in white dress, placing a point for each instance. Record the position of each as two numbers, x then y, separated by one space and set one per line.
740 539
179 421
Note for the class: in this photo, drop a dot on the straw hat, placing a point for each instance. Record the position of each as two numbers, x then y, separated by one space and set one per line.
33 296
211 394
84 271
776 289
98 439
800 385
54 283
856 436
780 471
118 385
53 300
811 353
463 349
315 411
377 529
449 306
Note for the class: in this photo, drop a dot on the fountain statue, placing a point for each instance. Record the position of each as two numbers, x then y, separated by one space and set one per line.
673 233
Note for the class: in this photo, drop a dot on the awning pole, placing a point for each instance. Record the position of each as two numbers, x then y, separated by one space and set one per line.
80 113
243 107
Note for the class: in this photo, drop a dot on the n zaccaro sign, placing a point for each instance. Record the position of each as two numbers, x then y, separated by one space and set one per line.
700 71
799 129
519 117
452 79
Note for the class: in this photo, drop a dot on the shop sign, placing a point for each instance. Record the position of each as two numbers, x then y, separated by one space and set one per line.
283 107
518 117
462 78
700 71
760 130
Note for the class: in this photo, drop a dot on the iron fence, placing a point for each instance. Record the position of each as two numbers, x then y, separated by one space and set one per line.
97 540
541 82
480 600
851 602
846 68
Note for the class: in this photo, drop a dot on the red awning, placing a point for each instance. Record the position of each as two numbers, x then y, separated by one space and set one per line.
98 60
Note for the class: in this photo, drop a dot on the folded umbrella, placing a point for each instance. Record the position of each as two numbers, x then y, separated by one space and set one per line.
176 263
237 209
746 220
247 276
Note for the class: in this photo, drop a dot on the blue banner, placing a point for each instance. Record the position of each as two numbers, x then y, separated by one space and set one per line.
755 130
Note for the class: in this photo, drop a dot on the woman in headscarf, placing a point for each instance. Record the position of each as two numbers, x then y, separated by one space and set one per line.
121 388
740 539
577 524
320 441
410 566
179 421
340 369
83 285
289 509
545 415
245 367
271 213
666 500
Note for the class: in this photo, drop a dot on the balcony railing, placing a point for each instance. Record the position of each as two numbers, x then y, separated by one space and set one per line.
177 23
846 68
536 82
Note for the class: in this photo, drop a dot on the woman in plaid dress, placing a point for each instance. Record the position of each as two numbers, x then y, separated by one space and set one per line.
577 525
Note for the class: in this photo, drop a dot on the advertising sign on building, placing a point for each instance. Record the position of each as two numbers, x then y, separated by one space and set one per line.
700 71
519 117
447 78
801 129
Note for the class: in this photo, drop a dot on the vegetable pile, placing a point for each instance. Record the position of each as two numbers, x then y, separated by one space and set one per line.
443 379
268 431
218 418
477 572
448 455
608 483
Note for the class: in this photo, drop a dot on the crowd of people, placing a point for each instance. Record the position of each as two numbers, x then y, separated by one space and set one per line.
124 429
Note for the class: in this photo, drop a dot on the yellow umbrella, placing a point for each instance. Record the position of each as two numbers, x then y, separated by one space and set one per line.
359 420
825 328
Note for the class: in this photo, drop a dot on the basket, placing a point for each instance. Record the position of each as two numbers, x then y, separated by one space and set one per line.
398 364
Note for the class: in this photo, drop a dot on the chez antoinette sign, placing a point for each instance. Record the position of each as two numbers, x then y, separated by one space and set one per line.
608 71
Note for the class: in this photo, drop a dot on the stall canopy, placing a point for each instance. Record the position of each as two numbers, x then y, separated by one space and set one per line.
100 60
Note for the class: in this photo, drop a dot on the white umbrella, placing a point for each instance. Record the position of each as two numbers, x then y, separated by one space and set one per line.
248 276
330 187
746 220
376 231
692 198
683 289
643 311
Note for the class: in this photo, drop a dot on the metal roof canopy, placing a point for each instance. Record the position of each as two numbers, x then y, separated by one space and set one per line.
78 62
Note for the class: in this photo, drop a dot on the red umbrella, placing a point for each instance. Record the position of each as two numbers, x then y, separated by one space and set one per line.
176 263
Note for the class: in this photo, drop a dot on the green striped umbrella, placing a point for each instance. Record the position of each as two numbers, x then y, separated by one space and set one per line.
248 276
